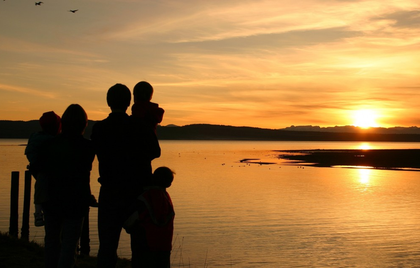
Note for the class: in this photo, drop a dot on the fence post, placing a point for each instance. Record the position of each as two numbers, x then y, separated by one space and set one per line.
84 238
26 206
14 204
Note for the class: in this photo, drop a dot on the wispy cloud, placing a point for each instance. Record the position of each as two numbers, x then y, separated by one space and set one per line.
28 91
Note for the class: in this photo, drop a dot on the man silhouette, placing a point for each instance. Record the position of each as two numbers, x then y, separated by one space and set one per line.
125 149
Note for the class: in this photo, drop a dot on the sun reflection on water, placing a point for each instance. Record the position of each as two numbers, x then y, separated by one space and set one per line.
365 146
364 175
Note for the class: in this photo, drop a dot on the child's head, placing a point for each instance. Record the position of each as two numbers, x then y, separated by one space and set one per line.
50 122
143 91
163 177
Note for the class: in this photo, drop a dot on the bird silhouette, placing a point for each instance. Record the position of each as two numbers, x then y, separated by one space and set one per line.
73 10
38 3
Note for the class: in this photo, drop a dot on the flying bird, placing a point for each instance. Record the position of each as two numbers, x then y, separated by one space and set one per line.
73 10
38 3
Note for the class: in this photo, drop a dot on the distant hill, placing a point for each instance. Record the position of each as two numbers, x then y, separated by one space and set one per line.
353 129
23 129
221 132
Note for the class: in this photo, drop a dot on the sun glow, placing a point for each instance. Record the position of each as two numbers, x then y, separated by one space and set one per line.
365 118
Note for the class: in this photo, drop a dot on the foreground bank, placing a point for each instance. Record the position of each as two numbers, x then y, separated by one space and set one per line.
17 253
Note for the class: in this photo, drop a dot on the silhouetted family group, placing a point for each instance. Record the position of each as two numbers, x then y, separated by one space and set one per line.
131 196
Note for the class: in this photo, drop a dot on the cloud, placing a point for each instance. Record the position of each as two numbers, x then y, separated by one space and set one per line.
174 22
403 19
27 91
265 42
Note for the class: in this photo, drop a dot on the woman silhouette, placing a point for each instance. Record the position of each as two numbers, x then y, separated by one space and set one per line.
67 161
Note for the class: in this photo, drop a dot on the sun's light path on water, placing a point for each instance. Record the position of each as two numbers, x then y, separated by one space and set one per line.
364 175
364 146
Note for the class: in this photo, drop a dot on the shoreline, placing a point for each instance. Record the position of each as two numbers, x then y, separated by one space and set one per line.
390 159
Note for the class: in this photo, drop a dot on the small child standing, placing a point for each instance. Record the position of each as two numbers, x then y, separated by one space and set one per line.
153 221
143 107
51 126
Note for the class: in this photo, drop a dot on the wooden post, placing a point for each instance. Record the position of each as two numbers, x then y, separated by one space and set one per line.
26 206
14 204
84 238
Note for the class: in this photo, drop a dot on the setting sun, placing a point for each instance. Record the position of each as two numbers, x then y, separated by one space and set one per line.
365 118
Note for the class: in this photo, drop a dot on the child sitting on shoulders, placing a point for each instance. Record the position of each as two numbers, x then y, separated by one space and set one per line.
143 108
153 221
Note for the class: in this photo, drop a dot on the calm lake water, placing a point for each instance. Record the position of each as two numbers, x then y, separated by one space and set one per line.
231 214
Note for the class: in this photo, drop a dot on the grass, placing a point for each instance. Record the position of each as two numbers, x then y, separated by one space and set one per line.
18 253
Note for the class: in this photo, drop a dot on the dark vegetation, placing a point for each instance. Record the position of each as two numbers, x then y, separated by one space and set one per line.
218 132
22 130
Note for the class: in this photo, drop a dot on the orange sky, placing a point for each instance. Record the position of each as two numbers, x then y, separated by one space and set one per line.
267 64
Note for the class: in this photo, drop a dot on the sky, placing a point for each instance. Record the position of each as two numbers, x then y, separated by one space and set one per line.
268 64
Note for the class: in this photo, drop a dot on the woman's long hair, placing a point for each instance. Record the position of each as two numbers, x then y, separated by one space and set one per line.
74 120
